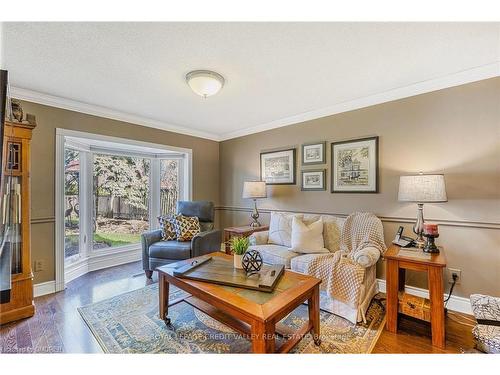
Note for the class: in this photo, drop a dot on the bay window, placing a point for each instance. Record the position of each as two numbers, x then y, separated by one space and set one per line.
110 193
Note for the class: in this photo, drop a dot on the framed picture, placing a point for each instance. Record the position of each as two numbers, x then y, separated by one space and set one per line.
314 153
278 167
313 180
355 166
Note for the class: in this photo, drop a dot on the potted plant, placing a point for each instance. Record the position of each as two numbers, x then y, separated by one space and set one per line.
239 246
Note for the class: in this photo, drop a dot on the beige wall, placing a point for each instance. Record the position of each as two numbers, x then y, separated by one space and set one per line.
454 131
205 167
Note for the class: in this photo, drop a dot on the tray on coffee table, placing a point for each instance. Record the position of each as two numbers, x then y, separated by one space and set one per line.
219 270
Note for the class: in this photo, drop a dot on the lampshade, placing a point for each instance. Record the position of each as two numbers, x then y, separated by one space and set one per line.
254 189
422 188
205 82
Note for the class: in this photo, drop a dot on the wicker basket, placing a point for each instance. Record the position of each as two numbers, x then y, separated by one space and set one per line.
417 307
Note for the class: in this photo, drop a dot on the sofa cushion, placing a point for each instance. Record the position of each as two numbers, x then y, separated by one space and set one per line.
259 238
280 228
170 250
275 254
300 263
307 239
332 226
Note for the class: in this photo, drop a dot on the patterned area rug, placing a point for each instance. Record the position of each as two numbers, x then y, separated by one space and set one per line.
129 323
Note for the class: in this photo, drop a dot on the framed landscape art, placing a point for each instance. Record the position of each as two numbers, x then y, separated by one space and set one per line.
278 167
314 153
313 180
355 166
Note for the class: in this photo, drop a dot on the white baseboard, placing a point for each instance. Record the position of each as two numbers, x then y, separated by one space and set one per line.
98 262
42 289
455 303
76 270
94 263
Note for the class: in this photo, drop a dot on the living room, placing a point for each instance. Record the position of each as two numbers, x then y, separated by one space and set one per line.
192 187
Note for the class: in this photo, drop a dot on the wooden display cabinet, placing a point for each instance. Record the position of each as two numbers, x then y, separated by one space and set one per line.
16 192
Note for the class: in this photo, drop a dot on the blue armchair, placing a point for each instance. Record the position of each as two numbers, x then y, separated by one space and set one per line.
156 253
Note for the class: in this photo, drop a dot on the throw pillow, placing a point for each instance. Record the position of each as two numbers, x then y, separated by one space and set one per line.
280 228
186 227
167 226
332 227
307 239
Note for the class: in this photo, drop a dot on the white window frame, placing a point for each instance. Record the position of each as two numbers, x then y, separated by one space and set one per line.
91 259
82 199
90 175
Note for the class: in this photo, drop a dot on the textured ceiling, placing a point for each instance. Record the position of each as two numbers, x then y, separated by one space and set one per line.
272 70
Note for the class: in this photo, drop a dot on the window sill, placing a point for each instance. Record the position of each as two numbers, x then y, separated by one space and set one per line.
114 250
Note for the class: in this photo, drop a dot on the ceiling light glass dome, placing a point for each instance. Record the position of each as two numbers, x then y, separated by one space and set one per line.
205 82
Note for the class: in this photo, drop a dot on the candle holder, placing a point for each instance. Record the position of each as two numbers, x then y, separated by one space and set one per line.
430 245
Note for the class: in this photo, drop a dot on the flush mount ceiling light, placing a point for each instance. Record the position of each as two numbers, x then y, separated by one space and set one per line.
205 82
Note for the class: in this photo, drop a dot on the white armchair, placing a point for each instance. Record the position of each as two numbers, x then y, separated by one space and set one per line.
275 252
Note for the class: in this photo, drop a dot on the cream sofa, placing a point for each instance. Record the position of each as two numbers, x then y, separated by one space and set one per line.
274 246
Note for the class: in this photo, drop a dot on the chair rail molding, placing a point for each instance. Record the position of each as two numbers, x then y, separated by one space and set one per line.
392 219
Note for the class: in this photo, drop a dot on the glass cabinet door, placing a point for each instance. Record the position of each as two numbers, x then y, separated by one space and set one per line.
12 220
11 206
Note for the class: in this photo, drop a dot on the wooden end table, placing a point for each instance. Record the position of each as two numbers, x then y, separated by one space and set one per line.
395 277
244 231
254 314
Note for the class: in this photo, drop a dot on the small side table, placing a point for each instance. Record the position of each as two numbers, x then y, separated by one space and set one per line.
395 277
240 232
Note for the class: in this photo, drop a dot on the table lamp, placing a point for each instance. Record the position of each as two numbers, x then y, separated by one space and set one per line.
422 188
254 190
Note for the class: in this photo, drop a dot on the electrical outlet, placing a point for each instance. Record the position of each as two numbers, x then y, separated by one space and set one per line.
456 272
39 265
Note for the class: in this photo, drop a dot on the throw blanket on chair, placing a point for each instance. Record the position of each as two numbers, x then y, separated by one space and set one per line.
341 275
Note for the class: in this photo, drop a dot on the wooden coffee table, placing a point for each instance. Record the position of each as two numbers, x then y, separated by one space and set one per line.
252 313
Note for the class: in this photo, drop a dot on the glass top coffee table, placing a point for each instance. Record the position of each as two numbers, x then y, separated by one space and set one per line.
254 314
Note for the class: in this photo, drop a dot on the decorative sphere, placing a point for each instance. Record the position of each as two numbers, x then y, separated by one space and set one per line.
252 262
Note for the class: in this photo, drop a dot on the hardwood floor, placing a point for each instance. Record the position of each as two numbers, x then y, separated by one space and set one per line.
414 336
57 326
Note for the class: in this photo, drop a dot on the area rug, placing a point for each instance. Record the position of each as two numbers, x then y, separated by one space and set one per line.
129 323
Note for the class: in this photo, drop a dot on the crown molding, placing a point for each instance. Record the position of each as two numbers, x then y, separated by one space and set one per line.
455 79
450 80
95 110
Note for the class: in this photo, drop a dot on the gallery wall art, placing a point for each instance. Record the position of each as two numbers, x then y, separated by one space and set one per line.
313 180
278 167
314 153
355 166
